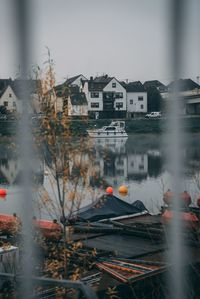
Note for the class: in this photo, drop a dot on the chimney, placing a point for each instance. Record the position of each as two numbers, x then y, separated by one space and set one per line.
91 78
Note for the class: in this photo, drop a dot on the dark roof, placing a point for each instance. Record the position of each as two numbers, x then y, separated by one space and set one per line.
155 83
98 83
183 85
72 79
108 206
77 97
30 84
4 84
62 90
134 87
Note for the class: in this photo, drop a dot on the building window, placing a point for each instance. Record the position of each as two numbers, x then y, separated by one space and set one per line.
94 105
131 102
14 104
142 106
119 95
119 105
94 94
113 84
141 167
5 104
10 95
140 98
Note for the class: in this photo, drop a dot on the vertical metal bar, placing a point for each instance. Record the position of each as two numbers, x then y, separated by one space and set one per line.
22 10
175 139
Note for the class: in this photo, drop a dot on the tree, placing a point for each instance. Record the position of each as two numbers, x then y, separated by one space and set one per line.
68 159
154 99
3 110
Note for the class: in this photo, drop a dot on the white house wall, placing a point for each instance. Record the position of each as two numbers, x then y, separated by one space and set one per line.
14 103
134 104
90 100
77 110
118 88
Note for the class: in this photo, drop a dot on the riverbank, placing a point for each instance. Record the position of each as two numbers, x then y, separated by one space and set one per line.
137 125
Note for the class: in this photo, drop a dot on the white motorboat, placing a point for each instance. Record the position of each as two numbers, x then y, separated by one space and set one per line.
115 129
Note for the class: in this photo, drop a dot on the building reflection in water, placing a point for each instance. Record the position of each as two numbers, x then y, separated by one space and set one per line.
10 167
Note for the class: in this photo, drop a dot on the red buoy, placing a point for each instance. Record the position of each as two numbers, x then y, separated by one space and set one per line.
109 190
3 192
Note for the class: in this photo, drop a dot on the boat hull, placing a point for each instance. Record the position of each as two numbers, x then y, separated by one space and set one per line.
96 134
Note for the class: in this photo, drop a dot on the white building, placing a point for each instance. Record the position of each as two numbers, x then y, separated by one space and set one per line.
106 97
77 102
9 100
69 96
189 95
136 98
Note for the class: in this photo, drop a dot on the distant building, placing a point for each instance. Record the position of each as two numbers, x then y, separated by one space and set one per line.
106 97
72 98
189 94
77 102
9 100
155 83
76 80
154 99
136 98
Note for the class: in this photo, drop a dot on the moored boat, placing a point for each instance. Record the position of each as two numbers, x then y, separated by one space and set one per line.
115 129
50 230
9 224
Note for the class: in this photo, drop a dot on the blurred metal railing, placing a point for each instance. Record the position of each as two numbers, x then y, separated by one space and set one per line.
177 276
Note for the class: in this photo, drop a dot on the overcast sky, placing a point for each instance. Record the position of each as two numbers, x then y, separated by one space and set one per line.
128 39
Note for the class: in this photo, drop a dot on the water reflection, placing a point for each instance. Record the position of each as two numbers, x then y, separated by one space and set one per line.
130 159
139 162
10 166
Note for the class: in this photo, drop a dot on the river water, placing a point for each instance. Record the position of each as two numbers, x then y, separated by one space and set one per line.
139 162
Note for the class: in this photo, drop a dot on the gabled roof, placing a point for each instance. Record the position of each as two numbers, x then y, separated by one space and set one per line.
183 85
98 83
4 83
70 81
155 83
134 87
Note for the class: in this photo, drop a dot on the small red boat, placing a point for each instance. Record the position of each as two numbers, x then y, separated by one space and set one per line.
9 224
51 230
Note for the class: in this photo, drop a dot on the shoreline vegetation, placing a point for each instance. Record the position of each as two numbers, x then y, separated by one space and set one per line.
78 127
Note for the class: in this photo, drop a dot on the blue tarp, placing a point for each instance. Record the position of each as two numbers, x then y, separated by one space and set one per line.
109 206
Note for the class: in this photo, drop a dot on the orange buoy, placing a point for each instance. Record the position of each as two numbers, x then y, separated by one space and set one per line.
168 197
186 198
3 193
109 190
123 190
